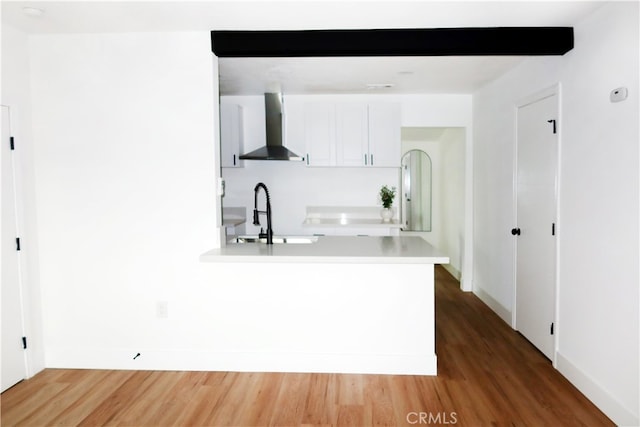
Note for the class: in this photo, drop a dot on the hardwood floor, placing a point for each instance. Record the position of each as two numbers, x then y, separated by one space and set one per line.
488 375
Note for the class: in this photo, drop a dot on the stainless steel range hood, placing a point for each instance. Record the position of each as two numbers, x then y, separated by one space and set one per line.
274 150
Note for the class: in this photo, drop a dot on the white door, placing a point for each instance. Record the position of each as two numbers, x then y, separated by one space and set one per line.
537 160
14 368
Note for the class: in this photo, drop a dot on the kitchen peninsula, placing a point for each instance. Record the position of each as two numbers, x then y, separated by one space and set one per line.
339 304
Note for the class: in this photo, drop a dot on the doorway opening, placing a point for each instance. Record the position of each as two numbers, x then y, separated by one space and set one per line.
443 218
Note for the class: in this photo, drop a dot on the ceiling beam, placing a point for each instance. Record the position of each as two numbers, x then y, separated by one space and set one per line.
394 42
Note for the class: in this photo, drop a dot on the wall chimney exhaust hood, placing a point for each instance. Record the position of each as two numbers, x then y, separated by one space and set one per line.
274 150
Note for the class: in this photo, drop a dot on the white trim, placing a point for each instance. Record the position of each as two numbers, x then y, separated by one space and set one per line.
514 212
604 400
539 95
454 272
220 231
494 305
202 360
466 265
557 328
16 200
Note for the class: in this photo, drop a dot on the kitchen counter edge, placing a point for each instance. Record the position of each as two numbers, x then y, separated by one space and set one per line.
333 249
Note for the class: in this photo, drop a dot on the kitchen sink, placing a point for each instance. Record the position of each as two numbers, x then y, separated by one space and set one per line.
276 239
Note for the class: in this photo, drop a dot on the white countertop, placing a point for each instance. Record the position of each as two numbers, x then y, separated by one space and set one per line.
334 249
351 222
347 216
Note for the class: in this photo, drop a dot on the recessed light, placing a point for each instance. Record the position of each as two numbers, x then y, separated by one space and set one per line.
405 73
32 11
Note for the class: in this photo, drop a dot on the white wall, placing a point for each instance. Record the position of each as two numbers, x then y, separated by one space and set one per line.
125 165
16 94
125 172
494 148
452 196
598 331
600 191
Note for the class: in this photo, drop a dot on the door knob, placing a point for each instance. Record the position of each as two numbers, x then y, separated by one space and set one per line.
515 231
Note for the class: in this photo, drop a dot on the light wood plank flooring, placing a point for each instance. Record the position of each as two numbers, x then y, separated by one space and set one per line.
488 375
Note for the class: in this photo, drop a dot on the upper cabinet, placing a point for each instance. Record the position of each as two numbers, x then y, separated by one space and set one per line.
384 135
231 135
352 134
320 134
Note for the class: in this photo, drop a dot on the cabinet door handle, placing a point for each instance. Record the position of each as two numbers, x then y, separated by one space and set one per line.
365 160
307 159
234 160
372 160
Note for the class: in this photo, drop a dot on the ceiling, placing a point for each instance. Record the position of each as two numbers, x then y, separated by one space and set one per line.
313 75
370 75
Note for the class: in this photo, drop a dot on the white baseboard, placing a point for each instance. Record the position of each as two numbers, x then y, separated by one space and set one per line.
465 285
453 271
200 360
594 392
494 305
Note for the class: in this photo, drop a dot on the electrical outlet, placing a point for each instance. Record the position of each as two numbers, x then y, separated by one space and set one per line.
162 309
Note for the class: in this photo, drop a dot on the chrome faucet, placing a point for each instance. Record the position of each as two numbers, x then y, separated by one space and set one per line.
256 214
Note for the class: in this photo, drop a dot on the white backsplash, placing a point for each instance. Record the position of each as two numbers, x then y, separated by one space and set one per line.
293 186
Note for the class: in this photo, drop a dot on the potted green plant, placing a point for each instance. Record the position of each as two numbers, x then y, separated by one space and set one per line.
386 197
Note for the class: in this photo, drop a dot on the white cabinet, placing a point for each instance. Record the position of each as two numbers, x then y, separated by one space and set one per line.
320 134
231 135
352 134
384 135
